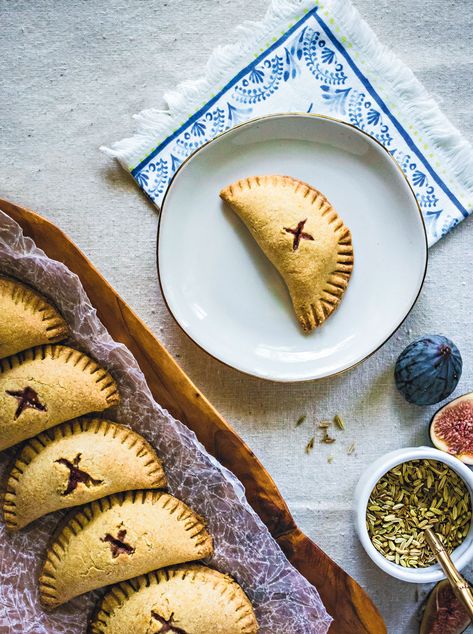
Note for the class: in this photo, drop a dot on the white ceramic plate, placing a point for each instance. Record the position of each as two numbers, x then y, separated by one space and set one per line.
227 296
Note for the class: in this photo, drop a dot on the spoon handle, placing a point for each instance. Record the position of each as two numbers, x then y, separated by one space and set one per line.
459 585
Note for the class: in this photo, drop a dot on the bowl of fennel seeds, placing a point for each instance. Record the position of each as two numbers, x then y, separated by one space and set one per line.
397 499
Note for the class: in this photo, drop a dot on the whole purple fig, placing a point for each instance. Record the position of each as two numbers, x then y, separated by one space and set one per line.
428 370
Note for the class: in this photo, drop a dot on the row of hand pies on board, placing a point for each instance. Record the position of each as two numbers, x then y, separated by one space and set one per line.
130 532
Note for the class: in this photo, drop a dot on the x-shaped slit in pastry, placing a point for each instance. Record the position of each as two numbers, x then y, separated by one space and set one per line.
117 545
298 234
77 475
167 624
26 397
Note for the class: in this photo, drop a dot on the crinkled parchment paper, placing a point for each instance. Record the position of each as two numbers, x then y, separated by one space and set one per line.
284 601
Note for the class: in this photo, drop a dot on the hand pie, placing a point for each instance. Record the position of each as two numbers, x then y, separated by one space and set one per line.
120 537
45 386
75 463
186 599
26 319
302 235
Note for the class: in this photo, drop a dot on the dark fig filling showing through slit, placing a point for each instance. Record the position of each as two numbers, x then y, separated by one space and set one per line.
27 398
298 234
117 544
167 625
76 475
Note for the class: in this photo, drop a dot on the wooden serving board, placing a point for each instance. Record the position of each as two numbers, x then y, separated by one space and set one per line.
352 609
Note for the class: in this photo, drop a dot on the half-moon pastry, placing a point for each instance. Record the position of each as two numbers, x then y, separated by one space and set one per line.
75 463
26 319
120 537
185 599
302 235
48 385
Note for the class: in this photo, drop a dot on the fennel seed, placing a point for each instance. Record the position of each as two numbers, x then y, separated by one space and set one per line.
310 445
301 419
327 439
338 420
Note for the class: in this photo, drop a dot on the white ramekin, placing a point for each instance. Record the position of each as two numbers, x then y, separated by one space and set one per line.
460 556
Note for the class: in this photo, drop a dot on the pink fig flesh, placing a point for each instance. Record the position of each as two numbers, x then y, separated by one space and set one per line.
451 429
443 612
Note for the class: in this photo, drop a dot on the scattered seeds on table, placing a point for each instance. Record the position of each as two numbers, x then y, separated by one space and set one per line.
330 459
351 449
301 419
411 497
310 445
339 422
327 439
325 424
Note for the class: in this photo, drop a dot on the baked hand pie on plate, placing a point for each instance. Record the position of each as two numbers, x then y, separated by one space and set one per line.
185 599
120 537
26 319
48 385
302 235
75 463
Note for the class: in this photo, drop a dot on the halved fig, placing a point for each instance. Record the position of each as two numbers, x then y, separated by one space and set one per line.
443 612
451 428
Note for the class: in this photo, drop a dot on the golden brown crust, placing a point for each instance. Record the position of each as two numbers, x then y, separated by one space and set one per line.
27 319
47 385
119 537
75 463
302 235
192 597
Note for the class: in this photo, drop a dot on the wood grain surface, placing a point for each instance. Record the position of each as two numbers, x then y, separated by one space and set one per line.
349 605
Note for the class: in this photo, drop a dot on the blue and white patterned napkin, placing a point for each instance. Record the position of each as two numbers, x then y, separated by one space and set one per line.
311 56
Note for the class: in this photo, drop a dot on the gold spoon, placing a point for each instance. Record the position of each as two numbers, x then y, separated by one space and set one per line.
459 585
